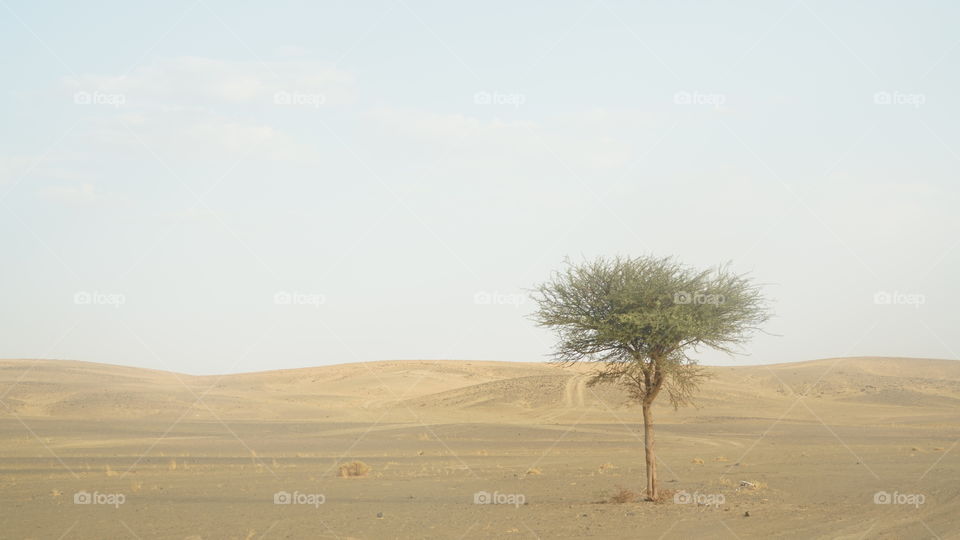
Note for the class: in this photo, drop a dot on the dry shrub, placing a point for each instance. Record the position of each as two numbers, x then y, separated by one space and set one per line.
623 495
665 495
696 461
752 485
354 469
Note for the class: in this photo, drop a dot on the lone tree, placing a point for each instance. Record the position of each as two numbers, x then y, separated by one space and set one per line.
638 318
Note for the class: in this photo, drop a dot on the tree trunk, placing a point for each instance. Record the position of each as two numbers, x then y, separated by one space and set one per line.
652 492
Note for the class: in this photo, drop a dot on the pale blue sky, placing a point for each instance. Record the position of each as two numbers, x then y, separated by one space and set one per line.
157 190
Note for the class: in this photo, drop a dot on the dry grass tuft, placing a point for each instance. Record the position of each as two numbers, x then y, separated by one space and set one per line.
665 495
696 461
534 472
354 469
623 495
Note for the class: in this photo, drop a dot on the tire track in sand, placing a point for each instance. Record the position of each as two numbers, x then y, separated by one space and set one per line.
573 391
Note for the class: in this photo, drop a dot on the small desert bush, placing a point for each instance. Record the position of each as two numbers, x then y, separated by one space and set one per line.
606 466
354 469
665 495
623 495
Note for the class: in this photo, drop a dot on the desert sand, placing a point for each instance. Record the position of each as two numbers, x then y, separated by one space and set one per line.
834 448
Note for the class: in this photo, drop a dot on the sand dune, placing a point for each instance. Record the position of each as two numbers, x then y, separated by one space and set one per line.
201 456
70 388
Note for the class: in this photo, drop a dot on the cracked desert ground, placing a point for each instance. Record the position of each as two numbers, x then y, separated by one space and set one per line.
203 457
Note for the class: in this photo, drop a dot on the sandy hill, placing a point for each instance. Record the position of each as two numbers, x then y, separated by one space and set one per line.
203 456
465 390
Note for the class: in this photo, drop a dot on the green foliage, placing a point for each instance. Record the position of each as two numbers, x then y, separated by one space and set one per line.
640 317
